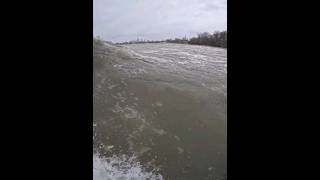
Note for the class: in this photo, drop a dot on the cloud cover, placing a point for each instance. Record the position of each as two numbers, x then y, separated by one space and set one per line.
123 20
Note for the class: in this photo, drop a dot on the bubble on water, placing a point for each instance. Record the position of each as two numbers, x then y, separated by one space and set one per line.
112 86
110 147
159 104
177 138
180 150
144 150
130 113
160 132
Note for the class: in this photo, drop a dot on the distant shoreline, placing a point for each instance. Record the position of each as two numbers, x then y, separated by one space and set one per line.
169 43
216 39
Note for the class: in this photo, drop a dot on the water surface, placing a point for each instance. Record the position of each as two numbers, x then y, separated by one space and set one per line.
160 112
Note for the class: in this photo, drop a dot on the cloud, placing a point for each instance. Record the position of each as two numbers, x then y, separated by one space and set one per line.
157 19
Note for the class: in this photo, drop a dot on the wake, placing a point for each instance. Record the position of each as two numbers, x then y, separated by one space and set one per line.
121 168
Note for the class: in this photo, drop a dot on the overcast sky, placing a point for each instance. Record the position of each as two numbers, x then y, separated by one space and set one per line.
123 20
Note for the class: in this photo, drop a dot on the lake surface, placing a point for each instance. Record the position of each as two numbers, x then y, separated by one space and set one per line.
160 112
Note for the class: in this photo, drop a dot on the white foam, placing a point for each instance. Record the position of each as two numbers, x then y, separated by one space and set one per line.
113 86
121 168
180 150
160 132
159 104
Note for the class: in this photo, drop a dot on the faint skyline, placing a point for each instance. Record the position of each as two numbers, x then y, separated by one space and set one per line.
123 20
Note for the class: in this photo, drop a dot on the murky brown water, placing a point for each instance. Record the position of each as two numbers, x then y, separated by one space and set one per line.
163 104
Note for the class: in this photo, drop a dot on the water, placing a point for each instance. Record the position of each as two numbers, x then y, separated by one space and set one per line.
160 112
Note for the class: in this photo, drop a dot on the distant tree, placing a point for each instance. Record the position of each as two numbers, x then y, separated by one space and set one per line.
218 39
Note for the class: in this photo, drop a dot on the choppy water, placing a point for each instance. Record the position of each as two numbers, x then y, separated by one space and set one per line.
160 112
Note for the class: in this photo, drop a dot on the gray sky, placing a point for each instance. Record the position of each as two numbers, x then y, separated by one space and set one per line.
123 20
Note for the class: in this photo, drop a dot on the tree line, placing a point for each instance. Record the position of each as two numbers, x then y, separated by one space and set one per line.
216 39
